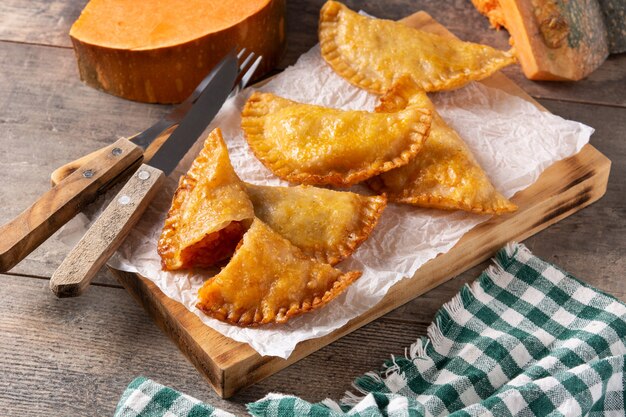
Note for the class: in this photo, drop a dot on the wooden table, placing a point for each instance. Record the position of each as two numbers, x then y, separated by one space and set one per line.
75 356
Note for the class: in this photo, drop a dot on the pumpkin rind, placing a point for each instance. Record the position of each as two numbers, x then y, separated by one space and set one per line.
554 40
154 69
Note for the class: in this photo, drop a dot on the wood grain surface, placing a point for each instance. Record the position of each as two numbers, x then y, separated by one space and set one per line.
107 232
22 234
74 357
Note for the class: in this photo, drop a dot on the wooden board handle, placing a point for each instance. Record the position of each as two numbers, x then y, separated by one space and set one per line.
107 233
56 207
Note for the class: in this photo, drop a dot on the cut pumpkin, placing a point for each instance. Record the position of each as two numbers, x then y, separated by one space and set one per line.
158 51
554 40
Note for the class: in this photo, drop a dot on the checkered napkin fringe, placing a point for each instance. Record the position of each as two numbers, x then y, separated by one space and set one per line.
526 339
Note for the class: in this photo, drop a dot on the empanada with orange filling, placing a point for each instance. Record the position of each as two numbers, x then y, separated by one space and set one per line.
326 225
210 211
308 144
374 53
269 280
445 175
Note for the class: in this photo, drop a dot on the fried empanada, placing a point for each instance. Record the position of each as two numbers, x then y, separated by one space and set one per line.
308 144
326 225
210 211
269 280
374 53
445 175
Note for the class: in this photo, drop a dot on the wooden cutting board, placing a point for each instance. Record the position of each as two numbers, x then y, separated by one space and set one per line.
562 189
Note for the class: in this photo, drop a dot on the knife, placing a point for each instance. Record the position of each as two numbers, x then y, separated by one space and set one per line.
109 230
80 182
153 137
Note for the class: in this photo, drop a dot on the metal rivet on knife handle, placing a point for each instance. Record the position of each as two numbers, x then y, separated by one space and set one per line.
143 175
58 205
106 234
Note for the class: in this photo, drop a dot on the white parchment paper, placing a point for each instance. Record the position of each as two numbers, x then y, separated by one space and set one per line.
513 141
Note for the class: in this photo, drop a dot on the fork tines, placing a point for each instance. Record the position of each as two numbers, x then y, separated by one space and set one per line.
247 68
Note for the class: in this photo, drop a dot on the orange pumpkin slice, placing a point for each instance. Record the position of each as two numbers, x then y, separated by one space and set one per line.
310 144
445 175
326 225
374 53
558 40
210 211
269 280
158 51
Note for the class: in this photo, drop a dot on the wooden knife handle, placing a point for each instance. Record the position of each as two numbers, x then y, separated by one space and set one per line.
56 207
68 169
107 233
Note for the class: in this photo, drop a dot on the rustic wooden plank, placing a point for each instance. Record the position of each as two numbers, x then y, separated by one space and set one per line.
45 22
329 372
49 118
108 232
114 341
75 356
607 85
56 384
61 203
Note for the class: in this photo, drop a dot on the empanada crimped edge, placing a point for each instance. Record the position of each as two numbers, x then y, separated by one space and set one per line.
259 105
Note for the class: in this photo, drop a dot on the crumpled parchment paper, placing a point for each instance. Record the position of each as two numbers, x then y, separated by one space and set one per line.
512 140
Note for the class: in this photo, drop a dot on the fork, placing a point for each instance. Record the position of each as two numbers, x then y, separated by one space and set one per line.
165 125
111 228
81 181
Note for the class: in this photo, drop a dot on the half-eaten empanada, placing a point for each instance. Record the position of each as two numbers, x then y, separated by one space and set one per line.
308 144
269 280
210 211
445 175
327 225
374 53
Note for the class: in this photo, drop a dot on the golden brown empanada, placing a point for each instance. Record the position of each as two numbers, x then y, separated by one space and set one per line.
310 144
210 211
326 225
269 280
446 174
374 53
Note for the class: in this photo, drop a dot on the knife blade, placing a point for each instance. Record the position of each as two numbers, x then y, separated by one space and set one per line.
116 221
80 182
153 137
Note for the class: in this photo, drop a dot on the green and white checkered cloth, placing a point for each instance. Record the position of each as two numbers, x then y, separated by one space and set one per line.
146 398
526 339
